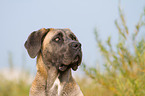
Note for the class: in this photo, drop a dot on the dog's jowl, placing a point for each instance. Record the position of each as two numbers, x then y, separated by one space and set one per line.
58 51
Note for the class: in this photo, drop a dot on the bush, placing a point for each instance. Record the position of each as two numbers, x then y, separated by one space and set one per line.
124 68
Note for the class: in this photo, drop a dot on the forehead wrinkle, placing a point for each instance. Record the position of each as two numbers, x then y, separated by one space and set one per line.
61 31
68 32
56 32
71 33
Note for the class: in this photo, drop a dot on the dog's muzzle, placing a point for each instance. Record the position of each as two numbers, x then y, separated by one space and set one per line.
75 48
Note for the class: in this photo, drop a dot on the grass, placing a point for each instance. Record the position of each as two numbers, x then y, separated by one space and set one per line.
13 88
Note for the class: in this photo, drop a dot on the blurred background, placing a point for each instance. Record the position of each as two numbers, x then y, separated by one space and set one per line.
120 23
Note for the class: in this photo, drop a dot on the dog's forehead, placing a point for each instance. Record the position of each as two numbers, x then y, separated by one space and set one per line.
65 31
54 32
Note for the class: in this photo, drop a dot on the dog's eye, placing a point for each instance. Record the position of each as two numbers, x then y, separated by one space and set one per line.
57 39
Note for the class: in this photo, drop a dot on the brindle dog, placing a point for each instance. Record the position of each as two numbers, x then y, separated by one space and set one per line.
57 51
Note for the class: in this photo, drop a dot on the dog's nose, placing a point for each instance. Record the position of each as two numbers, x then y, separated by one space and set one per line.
75 45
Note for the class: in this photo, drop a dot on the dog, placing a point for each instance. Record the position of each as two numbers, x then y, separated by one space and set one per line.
58 51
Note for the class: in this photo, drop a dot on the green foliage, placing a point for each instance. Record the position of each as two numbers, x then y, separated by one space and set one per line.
90 89
124 68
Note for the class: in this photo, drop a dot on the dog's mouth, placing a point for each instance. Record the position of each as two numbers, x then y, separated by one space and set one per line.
63 67
74 64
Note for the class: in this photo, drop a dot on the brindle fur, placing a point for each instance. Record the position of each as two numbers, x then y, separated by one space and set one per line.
49 80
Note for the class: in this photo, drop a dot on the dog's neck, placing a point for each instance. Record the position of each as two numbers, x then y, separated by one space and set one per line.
50 73
50 82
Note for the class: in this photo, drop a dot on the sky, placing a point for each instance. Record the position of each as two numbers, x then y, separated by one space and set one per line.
18 18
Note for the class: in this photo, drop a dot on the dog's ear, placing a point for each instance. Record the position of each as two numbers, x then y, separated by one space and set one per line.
33 43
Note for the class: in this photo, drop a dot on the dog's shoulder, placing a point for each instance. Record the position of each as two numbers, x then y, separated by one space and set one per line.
71 89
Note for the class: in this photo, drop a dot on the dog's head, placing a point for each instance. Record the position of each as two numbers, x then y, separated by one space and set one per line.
58 46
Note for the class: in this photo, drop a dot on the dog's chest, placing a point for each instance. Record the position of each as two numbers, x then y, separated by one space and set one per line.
56 88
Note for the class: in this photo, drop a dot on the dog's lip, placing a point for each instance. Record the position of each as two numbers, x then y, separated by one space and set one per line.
63 67
76 59
74 65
